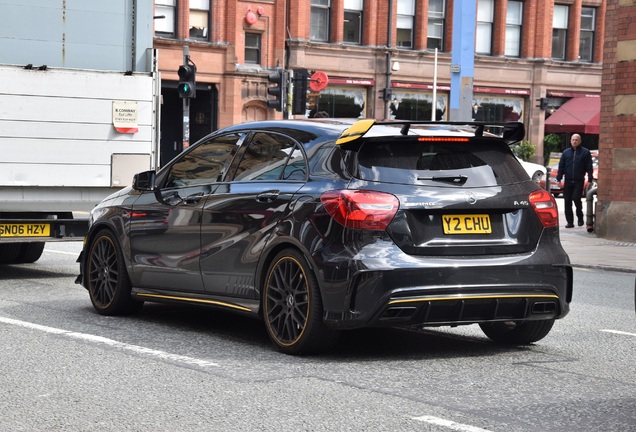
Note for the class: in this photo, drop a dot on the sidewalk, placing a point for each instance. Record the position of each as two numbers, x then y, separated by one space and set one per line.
588 251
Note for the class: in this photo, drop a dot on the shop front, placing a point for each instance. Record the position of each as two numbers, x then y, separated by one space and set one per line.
499 104
343 98
414 101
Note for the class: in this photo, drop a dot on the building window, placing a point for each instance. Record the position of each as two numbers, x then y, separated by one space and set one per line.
436 15
199 19
414 105
342 102
588 24
485 19
320 12
353 21
253 48
559 31
514 20
497 109
405 23
165 13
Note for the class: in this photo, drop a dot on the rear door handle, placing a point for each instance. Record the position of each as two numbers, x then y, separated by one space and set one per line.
268 196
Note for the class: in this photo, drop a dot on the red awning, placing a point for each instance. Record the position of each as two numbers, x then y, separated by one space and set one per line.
578 115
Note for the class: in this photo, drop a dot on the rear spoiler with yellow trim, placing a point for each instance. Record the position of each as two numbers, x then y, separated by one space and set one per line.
355 131
512 132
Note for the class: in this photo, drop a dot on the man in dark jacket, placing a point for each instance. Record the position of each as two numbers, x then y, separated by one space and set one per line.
575 162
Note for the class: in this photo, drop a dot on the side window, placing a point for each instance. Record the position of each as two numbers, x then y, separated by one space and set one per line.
296 168
205 163
272 156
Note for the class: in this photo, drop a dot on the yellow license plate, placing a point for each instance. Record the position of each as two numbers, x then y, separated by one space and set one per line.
467 224
25 230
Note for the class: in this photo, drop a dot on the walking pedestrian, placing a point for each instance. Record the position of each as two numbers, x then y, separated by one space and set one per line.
575 162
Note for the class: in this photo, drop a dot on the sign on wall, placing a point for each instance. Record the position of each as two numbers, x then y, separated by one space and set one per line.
125 116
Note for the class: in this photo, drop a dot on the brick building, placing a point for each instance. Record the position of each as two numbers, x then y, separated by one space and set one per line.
616 209
525 50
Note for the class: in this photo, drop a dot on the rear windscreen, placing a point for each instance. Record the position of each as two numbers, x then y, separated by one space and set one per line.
475 163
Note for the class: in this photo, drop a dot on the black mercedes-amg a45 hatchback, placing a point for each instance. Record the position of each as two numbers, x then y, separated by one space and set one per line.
320 226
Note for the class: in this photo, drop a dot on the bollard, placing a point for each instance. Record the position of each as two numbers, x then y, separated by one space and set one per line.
547 178
589 197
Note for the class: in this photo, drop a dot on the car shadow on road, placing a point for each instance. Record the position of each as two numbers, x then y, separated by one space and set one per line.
31 271
353 345
217 323
410 344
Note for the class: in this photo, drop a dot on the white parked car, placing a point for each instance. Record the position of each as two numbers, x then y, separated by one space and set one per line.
535 171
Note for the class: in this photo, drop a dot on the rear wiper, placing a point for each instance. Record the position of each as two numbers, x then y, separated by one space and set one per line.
458 179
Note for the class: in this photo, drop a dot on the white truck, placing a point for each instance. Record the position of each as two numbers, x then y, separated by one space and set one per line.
68 138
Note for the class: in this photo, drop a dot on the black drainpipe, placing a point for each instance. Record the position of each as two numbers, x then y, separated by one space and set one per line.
387 90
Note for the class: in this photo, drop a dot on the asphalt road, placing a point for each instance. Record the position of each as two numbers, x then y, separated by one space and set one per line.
174 368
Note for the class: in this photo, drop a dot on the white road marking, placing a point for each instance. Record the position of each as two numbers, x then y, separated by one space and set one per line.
62 252
449 424
619 332
161 355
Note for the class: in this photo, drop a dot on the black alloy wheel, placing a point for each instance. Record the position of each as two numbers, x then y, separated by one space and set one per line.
107 279
293 306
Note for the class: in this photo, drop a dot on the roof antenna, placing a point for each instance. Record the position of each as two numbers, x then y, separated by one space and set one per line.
479 132
405 129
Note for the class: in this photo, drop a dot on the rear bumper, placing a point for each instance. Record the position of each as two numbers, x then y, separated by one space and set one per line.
377 302
412 291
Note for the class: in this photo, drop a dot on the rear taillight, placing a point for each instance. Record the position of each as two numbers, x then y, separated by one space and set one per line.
544 205
361 209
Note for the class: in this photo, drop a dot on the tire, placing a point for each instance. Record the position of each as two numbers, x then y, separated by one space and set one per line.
30 252
292 307
9 253
517 332
107 279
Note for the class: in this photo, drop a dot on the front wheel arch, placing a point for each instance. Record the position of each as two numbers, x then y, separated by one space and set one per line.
291 306
266 261
106 276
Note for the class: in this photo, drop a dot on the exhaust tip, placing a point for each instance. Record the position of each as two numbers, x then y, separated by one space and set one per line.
544 307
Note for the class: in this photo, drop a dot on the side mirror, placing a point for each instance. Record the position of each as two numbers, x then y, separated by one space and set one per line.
144 181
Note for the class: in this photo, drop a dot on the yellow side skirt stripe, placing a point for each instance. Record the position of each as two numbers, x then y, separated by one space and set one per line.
196 300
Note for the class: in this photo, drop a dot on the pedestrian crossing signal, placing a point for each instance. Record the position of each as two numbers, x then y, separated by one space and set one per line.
187 81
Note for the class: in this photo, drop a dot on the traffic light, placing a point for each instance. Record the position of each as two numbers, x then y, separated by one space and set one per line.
187 81
279 91
301 80
543 103
385 94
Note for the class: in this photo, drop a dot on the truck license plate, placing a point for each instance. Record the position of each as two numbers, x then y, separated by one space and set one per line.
25 230
467 224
